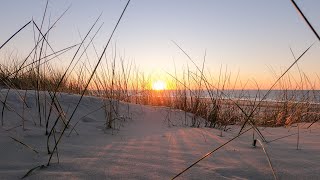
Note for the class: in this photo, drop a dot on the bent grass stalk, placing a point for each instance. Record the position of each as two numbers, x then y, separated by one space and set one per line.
209 153
269 160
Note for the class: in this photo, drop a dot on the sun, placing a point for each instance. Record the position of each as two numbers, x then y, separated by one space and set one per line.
158 85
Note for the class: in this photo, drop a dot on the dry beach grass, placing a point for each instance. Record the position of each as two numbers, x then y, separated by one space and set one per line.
105 121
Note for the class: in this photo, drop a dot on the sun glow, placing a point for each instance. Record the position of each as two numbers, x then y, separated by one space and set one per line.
158 85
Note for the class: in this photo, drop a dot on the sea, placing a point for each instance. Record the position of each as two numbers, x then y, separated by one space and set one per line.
311 96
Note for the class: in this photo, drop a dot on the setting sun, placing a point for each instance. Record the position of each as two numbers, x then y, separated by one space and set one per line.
158 85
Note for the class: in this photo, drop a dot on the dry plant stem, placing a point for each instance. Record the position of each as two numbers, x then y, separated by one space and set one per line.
111 103
298 137
55 141
209 153
66 71
56 144
268 158
62 51
24 144
13 128
52 131
85 49
287 136
103 106
282 137
23 109
14 88
222 93
38 67
15 34
54 100
268 92
43 37
31 170
36 45
20 68
4 105
304 17
9 108
61 113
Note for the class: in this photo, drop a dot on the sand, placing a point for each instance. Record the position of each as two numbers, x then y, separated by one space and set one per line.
148 143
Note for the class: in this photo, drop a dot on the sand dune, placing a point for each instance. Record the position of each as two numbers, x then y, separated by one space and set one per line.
146 146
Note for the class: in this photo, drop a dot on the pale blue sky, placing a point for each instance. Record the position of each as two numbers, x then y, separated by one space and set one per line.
249 35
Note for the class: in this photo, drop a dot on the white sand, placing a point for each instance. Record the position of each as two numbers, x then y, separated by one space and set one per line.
145 147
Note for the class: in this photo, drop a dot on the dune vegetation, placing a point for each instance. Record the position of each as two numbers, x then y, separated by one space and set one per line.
103 114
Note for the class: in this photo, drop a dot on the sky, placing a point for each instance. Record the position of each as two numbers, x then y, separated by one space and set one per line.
252 37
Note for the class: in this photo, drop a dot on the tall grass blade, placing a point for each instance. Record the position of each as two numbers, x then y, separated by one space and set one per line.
24 144
209 153
31 170
15 34
304 17
269 160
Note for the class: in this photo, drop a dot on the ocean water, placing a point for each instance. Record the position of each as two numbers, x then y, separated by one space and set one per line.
274 95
